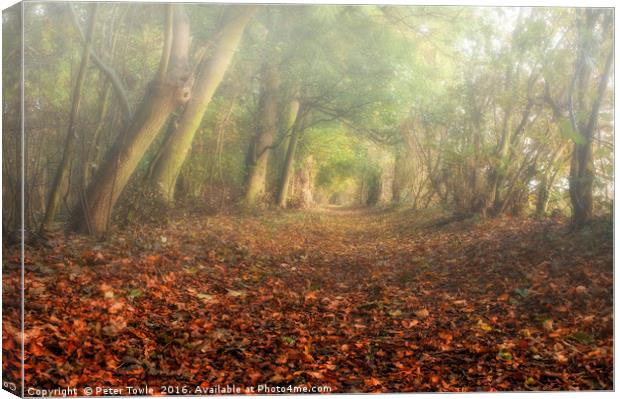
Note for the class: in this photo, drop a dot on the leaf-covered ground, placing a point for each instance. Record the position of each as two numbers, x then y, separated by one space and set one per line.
354 300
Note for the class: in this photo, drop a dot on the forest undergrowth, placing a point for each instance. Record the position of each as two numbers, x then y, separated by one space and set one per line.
352 299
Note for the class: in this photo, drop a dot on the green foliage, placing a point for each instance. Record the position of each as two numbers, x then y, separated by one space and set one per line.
441 86
339 157
566 129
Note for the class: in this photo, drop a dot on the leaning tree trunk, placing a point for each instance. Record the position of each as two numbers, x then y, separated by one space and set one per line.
287 169
168 163
268 126
169 89
60 182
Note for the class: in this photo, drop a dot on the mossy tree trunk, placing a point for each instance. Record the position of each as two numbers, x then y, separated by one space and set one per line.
294 128
581 177
263 141
172 155
164 94
307 175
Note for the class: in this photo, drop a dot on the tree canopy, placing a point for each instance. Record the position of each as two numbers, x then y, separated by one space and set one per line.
484 110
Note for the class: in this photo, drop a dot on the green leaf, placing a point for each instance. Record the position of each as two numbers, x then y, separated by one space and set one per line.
504 354
134 293
522 292
288 340
582 338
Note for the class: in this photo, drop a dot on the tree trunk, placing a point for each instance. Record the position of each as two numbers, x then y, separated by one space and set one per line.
211 72
257 170
295 130
581 177
92 152
546 181
399 176
403 175
542 197
62 174
477 203
165 93
307 182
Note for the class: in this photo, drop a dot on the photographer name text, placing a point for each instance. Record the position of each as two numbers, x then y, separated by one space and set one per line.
175 390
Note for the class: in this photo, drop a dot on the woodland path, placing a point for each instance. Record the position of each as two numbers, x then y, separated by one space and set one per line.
355 300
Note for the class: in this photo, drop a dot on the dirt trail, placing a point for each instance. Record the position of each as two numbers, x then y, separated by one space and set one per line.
354 300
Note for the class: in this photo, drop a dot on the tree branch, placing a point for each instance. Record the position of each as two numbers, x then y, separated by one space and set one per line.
119 89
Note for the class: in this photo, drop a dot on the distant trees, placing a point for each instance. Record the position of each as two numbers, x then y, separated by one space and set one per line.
508 130
60 182
478 110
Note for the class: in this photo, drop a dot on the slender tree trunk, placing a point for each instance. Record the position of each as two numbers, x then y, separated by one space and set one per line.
62 174
257 172
477 199
546 181
107 71
295 130
499 169
397 181
92 152
307 182
542 197
169 89
211 72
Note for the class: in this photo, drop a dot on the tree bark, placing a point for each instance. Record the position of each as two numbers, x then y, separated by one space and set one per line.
211 72
307 182
295 130
257 169
60 182
547 179
581 177
397 181
160 100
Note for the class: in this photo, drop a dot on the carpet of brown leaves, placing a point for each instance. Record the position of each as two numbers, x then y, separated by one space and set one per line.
354 300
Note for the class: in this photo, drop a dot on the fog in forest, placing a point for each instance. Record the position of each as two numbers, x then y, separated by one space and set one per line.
370 198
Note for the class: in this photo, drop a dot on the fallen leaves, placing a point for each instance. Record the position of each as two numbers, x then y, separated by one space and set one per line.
580 290
235 293
422 313
504 354
410 323
311 296
484 326
90 257
360 302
